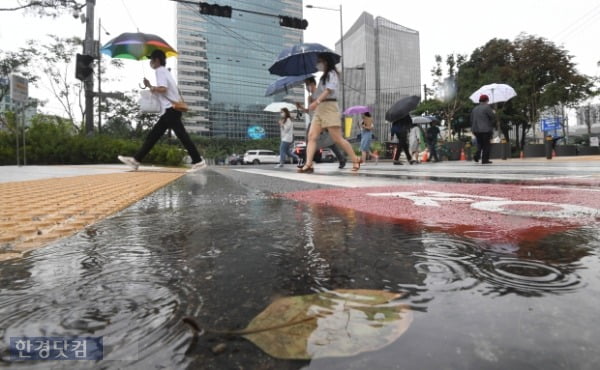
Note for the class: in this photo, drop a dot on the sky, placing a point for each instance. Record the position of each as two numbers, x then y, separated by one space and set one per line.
444 27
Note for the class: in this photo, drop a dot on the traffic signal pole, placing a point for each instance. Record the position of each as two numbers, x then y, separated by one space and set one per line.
88 49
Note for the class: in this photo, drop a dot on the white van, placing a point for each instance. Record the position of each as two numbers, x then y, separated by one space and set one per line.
258 156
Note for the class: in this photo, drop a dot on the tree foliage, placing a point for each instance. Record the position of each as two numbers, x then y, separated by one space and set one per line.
542 73
51 8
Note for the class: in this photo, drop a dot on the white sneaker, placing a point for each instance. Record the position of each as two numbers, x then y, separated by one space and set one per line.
198 166
279 165
130 161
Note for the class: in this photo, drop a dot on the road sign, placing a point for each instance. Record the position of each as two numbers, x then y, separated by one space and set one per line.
550 124
19 89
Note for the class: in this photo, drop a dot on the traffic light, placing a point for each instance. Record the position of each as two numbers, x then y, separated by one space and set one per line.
83 66
216 10
291 22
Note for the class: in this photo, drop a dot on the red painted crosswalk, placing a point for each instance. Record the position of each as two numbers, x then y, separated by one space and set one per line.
492 212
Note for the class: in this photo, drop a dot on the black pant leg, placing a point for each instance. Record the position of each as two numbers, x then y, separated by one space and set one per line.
175 123
338 154
153 136
486 146
403 144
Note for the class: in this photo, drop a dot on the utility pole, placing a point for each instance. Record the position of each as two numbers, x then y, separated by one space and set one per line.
99 77
88 49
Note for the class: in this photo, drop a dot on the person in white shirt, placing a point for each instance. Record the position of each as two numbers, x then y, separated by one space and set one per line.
287 137
327 115
167 91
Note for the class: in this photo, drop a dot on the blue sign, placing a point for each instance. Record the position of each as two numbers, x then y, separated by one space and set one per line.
550 124
256 132
56 348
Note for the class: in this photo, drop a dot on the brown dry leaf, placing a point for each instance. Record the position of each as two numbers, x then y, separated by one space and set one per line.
337 323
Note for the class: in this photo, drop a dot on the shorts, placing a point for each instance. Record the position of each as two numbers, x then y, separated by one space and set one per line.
327 115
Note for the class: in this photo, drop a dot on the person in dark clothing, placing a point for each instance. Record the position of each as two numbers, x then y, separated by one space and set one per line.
483 120
167 92
401 128
431 137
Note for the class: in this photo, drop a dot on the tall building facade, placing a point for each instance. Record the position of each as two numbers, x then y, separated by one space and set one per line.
381 65
222 67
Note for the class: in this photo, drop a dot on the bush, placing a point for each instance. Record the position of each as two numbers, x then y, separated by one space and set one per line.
56 143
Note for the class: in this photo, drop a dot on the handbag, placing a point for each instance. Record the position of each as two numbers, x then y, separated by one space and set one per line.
149 103
180 105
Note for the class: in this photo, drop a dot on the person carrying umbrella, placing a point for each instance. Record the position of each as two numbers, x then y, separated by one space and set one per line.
311 87
287 137
167 90
366 136
483 121
326 114
401 128
414 141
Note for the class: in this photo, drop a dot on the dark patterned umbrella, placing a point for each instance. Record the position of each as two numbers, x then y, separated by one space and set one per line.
300 59
402 108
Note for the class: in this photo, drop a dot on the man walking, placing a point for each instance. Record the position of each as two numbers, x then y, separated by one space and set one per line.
483 119
400 128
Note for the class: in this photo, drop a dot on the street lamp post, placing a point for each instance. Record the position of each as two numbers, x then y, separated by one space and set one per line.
342 47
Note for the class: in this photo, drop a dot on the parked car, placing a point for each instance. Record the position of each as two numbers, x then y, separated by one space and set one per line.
258 156
300 150
235 159
327 155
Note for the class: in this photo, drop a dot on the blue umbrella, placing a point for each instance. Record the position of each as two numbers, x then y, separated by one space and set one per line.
284 83
300 59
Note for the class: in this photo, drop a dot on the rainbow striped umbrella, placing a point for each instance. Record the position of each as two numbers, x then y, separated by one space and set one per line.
136 46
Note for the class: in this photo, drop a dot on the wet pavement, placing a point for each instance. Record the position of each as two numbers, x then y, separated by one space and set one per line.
221 245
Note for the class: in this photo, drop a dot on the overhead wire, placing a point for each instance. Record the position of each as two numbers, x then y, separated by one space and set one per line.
130 17
578 23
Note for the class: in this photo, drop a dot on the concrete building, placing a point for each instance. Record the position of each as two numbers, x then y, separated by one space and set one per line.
588 119
381 65
222 68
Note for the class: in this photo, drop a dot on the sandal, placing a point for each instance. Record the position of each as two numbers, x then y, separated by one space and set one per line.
305 169
356 165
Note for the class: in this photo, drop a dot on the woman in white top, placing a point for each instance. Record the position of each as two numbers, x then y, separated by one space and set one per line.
327 114
167 91
287 137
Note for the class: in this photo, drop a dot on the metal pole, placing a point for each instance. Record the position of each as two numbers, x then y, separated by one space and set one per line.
88 48
342 75
24 135
17 134
99 77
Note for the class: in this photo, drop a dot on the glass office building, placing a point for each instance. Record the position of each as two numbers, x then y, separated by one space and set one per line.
381 65
223 66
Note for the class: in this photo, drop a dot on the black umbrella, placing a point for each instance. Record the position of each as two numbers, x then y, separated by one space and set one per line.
402 108
300 59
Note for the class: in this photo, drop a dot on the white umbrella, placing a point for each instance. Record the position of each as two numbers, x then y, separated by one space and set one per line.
277 106
496 92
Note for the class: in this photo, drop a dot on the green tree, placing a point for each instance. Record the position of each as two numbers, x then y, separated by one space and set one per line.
51 8
542 74
126 112
447 103
55 64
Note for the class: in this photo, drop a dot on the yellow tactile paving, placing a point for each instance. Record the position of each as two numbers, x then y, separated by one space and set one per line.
34 213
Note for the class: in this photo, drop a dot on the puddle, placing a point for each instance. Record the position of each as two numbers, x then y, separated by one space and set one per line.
208 248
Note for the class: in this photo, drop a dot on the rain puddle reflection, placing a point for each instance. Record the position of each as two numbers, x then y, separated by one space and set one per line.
208 248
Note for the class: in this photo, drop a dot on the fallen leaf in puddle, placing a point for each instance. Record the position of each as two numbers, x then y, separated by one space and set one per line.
337 323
